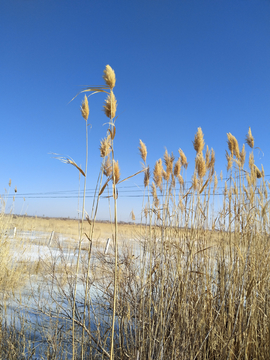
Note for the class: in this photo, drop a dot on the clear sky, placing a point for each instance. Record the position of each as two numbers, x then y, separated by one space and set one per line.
179 64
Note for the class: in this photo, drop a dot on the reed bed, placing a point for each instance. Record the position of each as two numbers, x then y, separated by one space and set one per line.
195 286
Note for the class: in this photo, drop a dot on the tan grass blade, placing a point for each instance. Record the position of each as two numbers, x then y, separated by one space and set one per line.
203 187
112 133
104 186
133 175
94 89
70 161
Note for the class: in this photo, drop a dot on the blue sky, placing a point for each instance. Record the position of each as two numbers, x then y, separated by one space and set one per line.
179 65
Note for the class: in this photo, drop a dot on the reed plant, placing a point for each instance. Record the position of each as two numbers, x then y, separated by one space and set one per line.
192 284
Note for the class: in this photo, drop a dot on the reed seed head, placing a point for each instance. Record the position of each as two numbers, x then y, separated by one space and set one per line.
180 179
257 172
243 156
215 182
207 157
229 160
116 171
146 177
158 172
143 150
85 108
109 76
107 168
105 146
250 139
110 106
212 160
183 158
198 142
221 175
251 161
177 168
168 160
194 181
154 194
132 215
233 145
200 165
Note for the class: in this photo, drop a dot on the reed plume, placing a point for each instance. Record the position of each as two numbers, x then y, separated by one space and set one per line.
105 147
143 150
177 168
243 155
109 77
215 182
198 142
154 194
200 165
233 145
146 177
110 106
158 172
212 160
250 139
116 171
85 108
229 160
132 215
168 160
107 168
183 158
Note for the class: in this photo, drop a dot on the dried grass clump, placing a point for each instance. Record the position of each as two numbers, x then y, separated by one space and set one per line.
143 150
110 106
85 108
198 142
250 139
109 77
